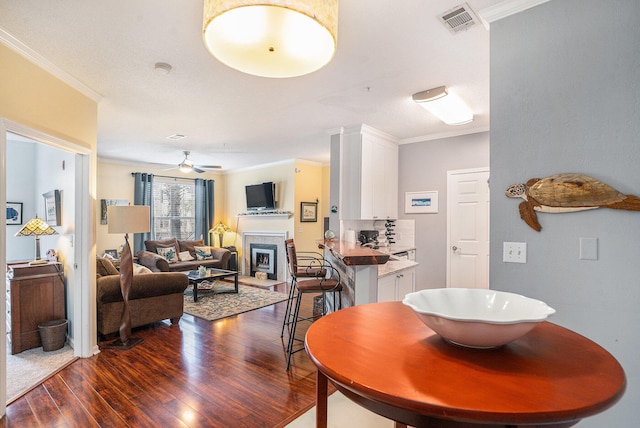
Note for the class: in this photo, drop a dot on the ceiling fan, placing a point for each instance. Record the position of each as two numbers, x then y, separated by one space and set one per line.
187 165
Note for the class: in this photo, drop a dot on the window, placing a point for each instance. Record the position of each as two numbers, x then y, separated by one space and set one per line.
174 209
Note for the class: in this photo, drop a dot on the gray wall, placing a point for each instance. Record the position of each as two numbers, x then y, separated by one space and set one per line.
424 166
565 93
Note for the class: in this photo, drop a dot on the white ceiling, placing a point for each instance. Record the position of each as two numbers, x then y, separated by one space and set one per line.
387 51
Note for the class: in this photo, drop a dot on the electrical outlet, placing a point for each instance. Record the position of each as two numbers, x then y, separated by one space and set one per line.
514 252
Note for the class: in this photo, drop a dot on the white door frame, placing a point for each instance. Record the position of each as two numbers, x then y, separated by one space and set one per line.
83 298
449 202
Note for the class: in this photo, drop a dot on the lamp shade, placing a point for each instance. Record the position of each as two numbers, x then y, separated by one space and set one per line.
36 227
271 38
128 218
447 107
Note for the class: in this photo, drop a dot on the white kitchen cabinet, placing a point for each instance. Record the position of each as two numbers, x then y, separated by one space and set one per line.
393 287
369 171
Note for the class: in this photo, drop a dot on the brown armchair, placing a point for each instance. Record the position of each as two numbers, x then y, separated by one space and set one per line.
154 297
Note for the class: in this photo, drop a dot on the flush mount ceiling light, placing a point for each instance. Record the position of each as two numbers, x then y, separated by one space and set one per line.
271 38
447 107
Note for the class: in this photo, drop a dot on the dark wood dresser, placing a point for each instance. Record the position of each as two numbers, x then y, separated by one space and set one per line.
35 294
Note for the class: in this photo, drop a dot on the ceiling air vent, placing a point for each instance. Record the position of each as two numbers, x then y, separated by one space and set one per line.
459 18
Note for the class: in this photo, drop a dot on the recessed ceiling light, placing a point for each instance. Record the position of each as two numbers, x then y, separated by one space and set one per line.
176 137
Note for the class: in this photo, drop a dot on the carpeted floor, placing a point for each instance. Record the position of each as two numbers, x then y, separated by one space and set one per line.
30 367
211 306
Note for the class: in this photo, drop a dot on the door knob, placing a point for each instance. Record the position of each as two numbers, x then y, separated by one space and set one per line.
454 248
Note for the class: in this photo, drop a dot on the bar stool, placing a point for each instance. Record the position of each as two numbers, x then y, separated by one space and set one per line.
311 267
327 283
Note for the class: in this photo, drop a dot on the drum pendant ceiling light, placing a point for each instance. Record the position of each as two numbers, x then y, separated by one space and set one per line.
276 38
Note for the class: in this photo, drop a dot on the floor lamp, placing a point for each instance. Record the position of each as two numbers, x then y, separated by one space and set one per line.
127 219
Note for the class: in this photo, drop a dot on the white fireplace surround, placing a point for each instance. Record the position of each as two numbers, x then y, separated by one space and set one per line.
265 237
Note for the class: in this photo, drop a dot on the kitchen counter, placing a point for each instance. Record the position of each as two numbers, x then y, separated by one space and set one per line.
394 249
352 254
393 266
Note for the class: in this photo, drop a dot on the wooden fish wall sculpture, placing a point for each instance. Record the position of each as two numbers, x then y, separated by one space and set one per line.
567 192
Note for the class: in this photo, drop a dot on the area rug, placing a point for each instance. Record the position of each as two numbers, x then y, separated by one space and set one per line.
29 368
211 306
342 413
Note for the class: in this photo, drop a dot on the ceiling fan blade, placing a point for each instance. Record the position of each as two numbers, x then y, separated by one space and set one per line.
209 166
198 170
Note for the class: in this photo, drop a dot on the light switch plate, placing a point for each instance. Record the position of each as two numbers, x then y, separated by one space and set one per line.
514 252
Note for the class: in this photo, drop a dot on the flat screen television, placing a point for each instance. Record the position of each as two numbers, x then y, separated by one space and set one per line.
261 197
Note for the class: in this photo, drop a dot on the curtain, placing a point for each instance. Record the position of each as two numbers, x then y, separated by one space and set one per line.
204 209
143 195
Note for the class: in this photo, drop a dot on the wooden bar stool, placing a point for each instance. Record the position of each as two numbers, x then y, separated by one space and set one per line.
326 281
309 264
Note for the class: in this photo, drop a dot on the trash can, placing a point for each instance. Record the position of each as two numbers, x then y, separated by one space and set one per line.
318 305
53 334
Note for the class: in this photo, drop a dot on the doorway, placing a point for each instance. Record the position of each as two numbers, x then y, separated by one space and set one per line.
468 228
75 234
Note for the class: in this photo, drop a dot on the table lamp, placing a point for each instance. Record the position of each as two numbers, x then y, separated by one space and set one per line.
220 229
36 227
127 219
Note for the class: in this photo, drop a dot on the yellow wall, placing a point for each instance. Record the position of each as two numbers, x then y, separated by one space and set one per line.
116 182
32 97
309 188
283 175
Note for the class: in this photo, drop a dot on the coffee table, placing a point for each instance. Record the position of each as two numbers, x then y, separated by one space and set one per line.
381 356
212 274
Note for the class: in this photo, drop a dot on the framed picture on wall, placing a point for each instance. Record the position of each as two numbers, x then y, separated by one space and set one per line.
421 202
52 208
308 211
104 203
14 212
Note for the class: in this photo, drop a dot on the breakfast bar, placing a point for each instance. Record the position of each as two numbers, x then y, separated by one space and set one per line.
358 267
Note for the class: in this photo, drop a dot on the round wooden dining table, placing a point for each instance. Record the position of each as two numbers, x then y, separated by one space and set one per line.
385 359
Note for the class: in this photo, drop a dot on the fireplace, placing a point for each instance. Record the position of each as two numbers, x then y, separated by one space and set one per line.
264 258
270 238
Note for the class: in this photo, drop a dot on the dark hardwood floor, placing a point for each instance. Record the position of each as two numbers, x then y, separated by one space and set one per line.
226 373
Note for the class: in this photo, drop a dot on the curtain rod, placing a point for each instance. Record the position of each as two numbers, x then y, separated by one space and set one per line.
168 176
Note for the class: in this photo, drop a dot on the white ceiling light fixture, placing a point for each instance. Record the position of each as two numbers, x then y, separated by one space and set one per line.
272 38
447 107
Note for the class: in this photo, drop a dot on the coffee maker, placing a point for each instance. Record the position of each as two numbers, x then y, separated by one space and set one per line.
368 237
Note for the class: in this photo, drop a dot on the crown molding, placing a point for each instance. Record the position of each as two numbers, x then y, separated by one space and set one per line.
25 51
506 8
450 134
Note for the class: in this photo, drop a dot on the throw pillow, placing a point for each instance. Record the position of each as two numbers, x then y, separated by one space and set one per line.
163 243
168 253
105 267
139 269
203 253
185 256
190 246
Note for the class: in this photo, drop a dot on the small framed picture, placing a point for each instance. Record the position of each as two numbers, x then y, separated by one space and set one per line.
421 202
52 208
308 211
14 212
111 254
104 203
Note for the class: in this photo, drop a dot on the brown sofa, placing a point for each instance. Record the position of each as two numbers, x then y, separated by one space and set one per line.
154 297
157 263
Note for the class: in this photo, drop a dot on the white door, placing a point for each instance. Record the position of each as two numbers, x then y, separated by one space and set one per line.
468 228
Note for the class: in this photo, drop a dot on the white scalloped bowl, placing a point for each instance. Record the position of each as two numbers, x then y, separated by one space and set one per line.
477 318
